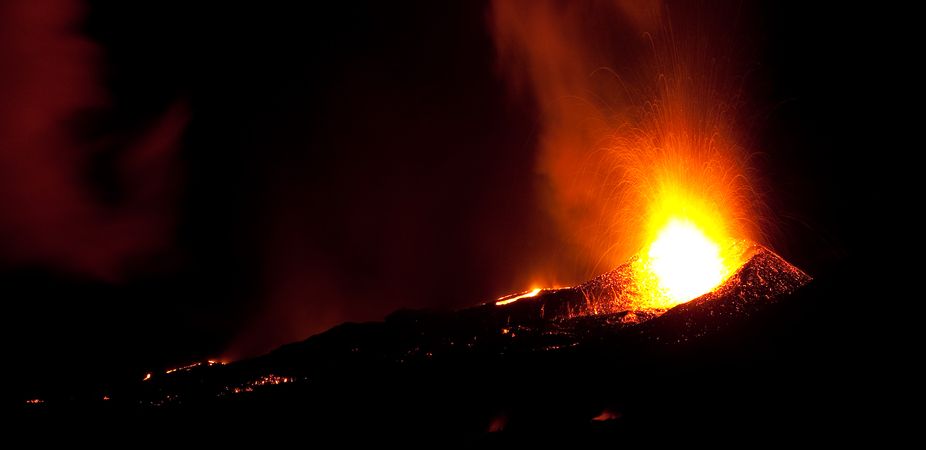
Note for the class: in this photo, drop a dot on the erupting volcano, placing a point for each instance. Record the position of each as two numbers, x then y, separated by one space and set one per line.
621 205
682 263
624 319
637 292
685 262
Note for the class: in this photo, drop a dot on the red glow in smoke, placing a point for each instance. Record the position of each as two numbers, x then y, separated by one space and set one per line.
49 212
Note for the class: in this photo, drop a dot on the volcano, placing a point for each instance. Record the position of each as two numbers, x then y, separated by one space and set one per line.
556 357
763 277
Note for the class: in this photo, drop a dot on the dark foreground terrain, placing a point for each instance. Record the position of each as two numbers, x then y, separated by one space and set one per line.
769 353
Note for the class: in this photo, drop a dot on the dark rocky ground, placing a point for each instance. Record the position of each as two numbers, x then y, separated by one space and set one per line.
769 353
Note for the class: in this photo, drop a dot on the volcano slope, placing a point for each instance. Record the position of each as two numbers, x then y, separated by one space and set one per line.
579 361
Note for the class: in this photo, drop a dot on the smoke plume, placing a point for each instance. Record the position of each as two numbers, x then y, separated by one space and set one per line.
74 197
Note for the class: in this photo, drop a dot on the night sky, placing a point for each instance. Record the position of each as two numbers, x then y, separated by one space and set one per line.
214 181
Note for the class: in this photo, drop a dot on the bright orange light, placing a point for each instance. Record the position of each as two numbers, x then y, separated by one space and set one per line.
685 261
689 253
634 138
147 376
509 299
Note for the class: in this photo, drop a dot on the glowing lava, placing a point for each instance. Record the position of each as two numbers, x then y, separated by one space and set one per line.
511 299
685 262
689 253
187 368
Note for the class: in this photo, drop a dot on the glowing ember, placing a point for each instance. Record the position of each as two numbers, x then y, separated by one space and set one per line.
606 415
685 262
147 376
35 401
177 369
266 380
187 368
509 299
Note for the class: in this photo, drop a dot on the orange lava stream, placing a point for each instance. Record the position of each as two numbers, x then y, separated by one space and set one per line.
509 299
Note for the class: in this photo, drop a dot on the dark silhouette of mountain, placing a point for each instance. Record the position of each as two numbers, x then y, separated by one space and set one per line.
572 360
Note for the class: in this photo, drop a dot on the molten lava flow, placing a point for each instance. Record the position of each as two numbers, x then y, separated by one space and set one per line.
511 299
187 368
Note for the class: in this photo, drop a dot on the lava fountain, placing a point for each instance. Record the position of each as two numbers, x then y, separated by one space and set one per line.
685 262
640 143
